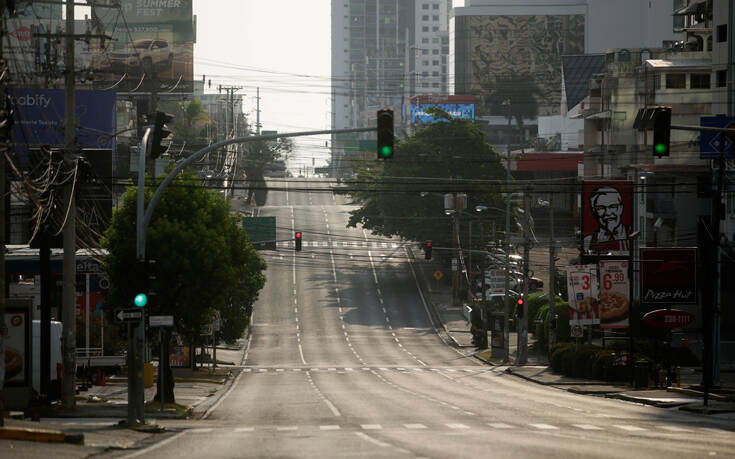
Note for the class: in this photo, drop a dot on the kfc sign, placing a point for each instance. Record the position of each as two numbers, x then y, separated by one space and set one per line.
607 217
22 33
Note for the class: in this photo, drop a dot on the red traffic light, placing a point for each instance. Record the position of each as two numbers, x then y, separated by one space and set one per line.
298 235
428 244
520 301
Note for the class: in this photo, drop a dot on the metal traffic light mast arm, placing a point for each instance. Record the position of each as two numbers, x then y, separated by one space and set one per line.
144 220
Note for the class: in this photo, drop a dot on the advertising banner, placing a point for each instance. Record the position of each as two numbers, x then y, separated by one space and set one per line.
614 294
669 275
152 50
583 291
17 346
463 111
39 115
607 217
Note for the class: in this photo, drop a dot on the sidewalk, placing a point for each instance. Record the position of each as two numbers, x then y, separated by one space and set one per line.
95 422
688 397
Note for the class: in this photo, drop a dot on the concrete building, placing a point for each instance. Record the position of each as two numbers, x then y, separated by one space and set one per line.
383 52
502 50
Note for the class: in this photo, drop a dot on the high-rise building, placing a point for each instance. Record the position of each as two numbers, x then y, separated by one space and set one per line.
383 52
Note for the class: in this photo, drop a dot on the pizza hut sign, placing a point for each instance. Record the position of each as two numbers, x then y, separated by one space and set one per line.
669 318
669 275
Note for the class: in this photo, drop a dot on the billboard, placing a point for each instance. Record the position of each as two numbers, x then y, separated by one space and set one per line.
39 120
152 50
463 111
583 292
607 217
614 294
669 275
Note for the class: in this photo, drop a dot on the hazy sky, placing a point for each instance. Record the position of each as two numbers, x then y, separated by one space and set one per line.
281 46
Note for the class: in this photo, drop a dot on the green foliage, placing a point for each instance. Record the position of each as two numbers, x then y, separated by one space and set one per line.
404 196
203 258
259 155
189 121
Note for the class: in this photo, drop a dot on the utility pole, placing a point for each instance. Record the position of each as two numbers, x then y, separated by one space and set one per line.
506 248
257 111
4 137
68 309
552 273
523 323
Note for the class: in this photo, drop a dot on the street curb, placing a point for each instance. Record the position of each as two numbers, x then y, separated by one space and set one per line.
692 408
697 393
646 401
42 435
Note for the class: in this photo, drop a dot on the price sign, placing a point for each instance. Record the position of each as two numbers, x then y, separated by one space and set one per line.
614 294
583 291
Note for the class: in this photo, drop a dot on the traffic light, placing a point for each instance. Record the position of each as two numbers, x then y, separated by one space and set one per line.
141 284
661 131
385 134
519 309
297 241
427 250
160 132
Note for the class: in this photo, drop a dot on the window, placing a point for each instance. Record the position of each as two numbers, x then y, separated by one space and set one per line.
435 51
435 18
435 85
425 17
424 51
435 74
676 81
721 33
425 28
435 40
434 62
425 74
425 63
699 81
425 6
424 40
721 78
435 28
435 6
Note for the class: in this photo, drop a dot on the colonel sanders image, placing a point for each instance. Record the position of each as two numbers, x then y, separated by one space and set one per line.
611 233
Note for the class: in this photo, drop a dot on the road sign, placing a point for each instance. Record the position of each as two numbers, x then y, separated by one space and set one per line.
128 315
217 321
576 331
438 275
454 264
711 142
161 321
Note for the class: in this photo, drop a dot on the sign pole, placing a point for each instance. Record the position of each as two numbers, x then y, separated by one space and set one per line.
160 369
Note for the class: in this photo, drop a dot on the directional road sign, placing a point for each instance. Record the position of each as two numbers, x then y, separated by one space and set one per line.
128 315
161 321
711 142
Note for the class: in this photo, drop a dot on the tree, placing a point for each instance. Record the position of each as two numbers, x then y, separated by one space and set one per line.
258 156
404 196
203 260
514 96
189 121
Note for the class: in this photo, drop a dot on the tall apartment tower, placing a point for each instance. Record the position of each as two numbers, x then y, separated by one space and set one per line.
383 52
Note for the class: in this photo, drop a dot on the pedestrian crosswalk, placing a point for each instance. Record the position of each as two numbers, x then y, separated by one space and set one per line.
278 370
663 429
337 244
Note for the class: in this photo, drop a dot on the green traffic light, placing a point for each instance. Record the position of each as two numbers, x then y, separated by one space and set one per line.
386 151
140 300
659 148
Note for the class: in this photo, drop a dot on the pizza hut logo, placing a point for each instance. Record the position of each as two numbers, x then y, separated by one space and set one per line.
22 33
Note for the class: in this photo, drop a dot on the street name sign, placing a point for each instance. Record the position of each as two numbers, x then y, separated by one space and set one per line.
128 315
161 321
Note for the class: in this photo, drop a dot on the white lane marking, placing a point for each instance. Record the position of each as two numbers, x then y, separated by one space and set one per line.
500 425
371 426
329 427
676 429
457 426
415 426
543 426
301 353
372 440
587 427
201 430
222 399
245 429
629 428
160 444
287 428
